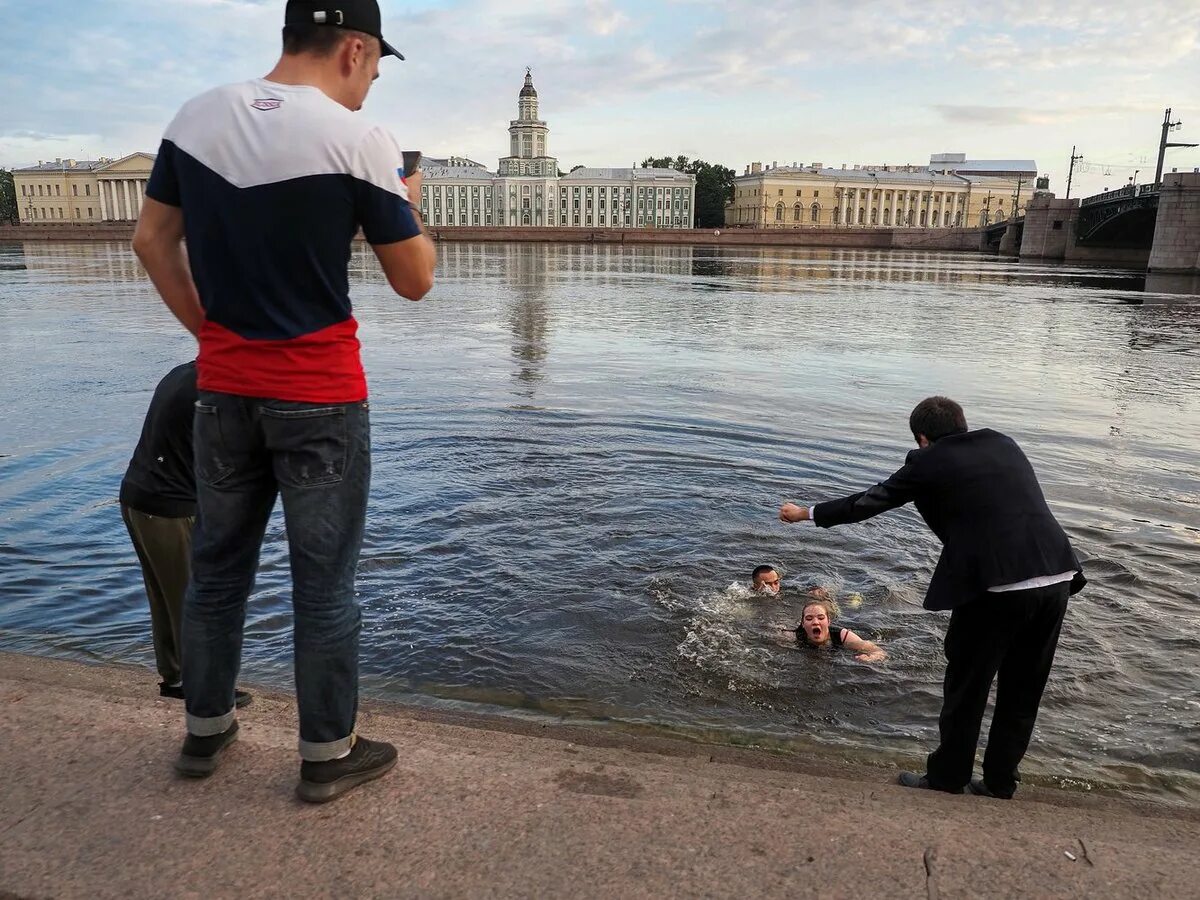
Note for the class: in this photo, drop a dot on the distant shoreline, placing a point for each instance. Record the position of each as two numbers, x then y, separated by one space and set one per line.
969 240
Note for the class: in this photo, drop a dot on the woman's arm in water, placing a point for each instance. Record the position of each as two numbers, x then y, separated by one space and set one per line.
867 651
786 635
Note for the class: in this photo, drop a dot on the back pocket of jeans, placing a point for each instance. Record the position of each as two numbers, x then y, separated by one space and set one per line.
213 462
308 443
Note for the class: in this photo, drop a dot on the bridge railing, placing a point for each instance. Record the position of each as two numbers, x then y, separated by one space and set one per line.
1129 191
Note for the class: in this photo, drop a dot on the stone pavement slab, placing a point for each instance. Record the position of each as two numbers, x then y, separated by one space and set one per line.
494 807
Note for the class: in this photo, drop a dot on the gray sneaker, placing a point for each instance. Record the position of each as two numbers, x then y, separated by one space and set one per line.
321 782
979 788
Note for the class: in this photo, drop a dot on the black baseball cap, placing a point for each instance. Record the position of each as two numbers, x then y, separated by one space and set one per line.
354 15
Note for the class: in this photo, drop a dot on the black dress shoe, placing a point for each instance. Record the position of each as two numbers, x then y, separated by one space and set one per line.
913 780
200 755
979 788
175 692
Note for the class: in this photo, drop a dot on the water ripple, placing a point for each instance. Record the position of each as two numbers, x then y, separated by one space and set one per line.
577 449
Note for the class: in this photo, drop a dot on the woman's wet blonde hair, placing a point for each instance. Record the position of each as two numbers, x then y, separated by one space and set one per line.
827 605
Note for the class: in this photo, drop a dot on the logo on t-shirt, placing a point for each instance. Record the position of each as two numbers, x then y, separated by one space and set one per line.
267 103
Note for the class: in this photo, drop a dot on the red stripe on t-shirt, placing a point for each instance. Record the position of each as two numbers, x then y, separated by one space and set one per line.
321 367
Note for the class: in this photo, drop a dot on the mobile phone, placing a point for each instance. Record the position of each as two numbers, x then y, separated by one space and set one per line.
412 161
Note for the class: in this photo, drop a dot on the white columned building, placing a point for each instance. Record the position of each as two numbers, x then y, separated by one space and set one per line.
122 186
527 190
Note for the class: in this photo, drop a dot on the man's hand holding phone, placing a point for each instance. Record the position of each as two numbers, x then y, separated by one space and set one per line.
411 174
413 183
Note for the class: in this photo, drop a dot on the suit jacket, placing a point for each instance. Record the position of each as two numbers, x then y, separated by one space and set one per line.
978 493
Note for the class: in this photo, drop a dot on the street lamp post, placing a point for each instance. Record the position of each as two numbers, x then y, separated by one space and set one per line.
1163 144
1071 171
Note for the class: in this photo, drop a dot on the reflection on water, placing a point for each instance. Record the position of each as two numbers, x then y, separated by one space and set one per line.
578 448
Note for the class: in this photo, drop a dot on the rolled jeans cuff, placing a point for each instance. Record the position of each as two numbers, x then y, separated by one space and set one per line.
310 751
202 726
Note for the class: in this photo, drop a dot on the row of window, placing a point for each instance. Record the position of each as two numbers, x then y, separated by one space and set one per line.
913 218
590 219
439 189
50 212
849 192
680 206
27 190
755 193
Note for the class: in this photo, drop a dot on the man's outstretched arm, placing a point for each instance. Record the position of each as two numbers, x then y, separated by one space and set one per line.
900 488
158 243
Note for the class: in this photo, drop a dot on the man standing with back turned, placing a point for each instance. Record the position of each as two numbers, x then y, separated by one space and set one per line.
1006 571
269 180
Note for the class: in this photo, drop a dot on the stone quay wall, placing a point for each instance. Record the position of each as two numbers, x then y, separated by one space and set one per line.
1049 227
965 239
108 231
1176 249
962 239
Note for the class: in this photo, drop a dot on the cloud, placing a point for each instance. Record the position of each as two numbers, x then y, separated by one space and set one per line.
852 80
603 18
979 114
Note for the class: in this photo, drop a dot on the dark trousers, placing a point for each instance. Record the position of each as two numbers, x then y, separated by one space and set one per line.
164 550
1010 638
318 458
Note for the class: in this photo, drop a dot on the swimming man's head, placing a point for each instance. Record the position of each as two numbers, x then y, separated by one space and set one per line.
765 580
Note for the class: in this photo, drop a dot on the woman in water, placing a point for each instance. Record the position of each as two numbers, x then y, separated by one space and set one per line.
816 629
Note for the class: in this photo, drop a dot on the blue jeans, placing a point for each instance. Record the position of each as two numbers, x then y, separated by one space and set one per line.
318 458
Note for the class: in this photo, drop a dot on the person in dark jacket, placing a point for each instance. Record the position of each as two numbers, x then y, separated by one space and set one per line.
158 504
1006 571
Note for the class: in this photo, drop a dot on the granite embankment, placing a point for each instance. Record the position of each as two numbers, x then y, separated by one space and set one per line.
964 239
501 807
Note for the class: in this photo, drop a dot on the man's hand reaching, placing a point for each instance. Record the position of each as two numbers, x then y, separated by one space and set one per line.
790 512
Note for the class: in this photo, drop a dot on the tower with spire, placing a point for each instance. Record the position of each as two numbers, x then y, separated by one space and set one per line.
528 139
527 191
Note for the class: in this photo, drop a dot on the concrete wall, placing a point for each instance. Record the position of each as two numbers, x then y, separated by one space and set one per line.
1128 258
965 239
1010 244
1176 249
962 239
1049 227
67 232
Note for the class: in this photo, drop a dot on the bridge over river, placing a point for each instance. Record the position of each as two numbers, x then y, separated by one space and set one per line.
1155 226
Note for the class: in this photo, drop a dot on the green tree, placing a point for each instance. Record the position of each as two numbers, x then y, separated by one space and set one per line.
714 186
8 198
580 166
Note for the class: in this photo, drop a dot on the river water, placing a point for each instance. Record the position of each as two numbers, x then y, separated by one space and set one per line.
579 453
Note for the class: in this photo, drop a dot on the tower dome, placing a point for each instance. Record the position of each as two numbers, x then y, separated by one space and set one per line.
528 90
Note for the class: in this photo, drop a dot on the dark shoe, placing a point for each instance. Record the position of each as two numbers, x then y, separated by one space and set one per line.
913 780
324 781
175 692
979 788
200 755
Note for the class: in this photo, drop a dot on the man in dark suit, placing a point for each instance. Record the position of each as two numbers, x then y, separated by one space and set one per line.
158 504
1006 571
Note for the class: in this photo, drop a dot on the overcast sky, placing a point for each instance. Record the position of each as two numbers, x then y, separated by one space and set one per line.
854 81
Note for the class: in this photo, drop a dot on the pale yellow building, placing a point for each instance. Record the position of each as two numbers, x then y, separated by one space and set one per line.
950 192
83 191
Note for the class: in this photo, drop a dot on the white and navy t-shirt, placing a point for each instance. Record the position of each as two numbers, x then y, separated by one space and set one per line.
274 180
